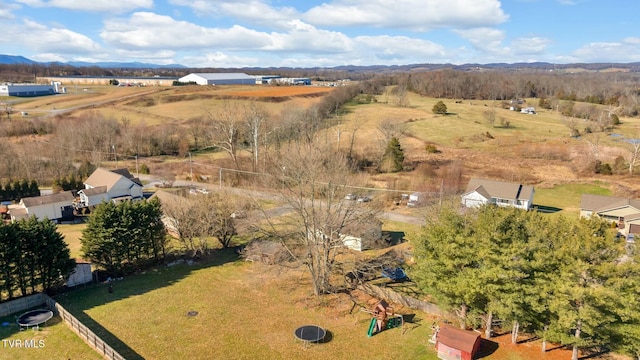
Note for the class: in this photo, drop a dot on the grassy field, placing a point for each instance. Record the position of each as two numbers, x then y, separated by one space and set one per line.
255 320
566 198
54 341
72 234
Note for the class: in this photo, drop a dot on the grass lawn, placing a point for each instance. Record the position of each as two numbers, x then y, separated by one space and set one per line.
566 198
72 234
245 311
55 340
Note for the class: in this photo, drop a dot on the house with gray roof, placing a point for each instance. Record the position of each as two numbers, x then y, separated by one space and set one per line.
482 191
53 207
625 213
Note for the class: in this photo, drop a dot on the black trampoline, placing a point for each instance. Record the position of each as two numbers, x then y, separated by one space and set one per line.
34 318
310 334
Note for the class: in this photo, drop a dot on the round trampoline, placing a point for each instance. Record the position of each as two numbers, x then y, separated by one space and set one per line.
310 333
34 318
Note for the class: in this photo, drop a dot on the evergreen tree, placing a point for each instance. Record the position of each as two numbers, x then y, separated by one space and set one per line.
393 158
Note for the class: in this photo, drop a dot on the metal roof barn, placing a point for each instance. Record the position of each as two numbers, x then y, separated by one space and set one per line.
219 79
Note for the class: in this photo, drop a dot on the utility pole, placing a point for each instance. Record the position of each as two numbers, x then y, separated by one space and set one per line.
137 172
190 169
115 155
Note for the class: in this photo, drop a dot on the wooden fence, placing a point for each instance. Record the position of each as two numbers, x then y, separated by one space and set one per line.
81 330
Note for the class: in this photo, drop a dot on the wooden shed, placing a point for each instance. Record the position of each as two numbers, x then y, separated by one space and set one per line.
456 344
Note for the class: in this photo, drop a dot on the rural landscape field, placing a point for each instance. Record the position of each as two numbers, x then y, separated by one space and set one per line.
213 304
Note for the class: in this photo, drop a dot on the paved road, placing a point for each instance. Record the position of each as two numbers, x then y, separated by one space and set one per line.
152 181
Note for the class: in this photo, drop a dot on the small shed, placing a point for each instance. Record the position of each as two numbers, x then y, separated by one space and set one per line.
456 344
82 274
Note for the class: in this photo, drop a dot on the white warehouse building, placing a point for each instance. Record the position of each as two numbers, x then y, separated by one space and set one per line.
219 79
26 90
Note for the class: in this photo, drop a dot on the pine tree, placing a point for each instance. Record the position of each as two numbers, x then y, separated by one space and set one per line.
393 158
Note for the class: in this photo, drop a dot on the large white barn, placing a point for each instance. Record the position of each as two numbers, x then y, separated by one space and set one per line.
219 79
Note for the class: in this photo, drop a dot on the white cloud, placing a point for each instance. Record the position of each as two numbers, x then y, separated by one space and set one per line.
254 11
144 30
48 39
627 50
529 46
398 49
6 11
110 6
418 15
484 39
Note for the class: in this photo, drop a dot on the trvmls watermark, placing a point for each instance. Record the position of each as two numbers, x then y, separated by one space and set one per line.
22 344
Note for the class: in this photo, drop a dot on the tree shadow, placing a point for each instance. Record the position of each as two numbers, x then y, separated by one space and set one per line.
546 209
487 347
394 237
78 300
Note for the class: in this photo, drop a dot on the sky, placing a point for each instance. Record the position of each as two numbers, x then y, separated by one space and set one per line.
329 33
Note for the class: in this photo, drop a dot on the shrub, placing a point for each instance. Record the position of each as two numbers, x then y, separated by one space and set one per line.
431 149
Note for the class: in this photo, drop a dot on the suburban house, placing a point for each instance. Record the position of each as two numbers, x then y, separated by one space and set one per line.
109 185
456 344
53 207
481 191
625 213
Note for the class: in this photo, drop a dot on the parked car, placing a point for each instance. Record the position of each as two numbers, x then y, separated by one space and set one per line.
350 197
364 199
631 238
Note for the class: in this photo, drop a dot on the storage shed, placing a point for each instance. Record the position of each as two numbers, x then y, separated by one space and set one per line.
456 344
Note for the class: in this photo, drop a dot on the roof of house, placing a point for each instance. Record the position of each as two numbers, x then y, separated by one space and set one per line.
457 338
600 203
95 191
108 178
499 189
64 196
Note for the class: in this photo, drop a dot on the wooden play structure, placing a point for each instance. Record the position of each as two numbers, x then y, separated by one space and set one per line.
383 318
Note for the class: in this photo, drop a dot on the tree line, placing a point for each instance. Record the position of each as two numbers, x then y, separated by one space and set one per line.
33 257
18 189
563 280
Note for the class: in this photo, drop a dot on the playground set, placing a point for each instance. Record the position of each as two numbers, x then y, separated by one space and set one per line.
383 318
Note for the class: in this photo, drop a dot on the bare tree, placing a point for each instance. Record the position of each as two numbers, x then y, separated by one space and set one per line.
255 117
312 181
390 129
226 129
634 152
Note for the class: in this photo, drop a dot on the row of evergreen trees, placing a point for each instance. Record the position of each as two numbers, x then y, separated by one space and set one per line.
33 257
18 189
121 237
566 280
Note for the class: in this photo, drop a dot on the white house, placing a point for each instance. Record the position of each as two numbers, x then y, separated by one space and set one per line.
53 207
109 185
219 79
482 191
622 211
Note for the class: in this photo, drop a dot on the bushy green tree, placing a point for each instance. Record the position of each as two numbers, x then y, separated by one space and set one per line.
121 236
439 108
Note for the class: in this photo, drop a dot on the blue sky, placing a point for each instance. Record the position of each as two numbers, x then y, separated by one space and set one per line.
263 33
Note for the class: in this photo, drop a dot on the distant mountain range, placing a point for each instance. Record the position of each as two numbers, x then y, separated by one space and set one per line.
13 59
539 66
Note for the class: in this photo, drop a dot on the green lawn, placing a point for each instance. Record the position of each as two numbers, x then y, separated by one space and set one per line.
566 198
55 340
242 314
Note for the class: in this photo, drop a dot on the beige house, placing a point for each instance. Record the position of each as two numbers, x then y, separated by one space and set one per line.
482 191
622 211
